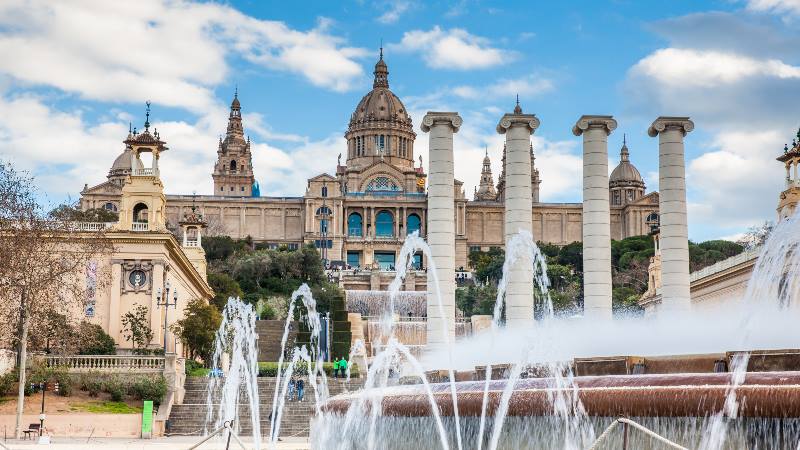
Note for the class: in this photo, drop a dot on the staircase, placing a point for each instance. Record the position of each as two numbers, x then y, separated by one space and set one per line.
189 418
270 333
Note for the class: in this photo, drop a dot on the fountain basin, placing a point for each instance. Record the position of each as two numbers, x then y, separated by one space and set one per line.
762 394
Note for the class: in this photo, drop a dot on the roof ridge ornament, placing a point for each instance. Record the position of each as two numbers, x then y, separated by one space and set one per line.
147 116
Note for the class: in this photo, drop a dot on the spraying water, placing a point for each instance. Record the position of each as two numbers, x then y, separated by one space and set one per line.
235 354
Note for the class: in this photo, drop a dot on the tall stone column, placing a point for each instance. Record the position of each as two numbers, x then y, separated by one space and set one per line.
672 205
518 128
441 229
596 215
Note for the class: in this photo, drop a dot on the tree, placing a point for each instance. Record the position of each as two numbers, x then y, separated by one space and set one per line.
198 328
74 213
224 287
46 260
94 340
756 235
137 327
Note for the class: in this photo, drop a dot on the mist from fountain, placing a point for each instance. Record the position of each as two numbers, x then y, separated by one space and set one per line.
235 354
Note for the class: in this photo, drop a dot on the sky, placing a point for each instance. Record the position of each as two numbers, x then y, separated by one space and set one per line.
73 75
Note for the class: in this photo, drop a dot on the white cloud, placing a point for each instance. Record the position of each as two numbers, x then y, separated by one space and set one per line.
174 51
704 68
528 86
395 9
454 49
775 6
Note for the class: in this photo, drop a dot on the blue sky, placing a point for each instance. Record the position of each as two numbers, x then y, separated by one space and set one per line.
75 73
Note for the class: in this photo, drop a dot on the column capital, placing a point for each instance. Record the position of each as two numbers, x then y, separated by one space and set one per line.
509 120
607 123
450 118
665 122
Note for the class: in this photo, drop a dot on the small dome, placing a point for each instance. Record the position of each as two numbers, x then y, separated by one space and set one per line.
123 162
625 172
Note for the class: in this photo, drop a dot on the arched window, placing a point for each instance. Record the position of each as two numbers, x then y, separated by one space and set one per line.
140 213
413 223
110 207
324 211
355 225
324 191
382 184
384 224
233 166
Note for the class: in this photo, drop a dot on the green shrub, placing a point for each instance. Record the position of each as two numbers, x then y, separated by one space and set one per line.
195 369
149 389
270 369
7 383
115 388
95 341
92 384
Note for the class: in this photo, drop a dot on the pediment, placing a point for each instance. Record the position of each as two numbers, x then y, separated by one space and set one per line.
322 177
648 199
105 188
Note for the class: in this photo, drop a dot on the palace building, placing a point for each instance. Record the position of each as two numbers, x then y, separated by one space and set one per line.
361 212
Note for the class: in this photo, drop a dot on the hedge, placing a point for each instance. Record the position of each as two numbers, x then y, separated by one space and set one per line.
270 369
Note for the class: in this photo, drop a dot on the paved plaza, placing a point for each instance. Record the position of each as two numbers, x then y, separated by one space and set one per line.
174 442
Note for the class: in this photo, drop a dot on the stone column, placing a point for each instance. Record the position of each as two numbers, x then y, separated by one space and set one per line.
441 229
113 306
672 205
518 128
155 310
596 215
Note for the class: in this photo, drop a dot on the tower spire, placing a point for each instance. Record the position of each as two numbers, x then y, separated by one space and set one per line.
147 117
517 109
623 152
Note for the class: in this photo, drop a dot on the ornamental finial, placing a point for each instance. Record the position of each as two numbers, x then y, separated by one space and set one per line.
147 117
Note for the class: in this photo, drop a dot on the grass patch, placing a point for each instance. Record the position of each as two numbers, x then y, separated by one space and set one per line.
102 407
270 369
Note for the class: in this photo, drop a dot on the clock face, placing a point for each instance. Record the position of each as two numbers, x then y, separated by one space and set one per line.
137 278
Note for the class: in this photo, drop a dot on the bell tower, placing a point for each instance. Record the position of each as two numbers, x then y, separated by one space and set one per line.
233 172
143 203
787 204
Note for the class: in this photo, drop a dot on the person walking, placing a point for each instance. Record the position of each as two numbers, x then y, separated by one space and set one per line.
300 387
292 388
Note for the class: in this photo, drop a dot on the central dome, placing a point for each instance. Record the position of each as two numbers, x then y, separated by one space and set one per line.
380 108
625 173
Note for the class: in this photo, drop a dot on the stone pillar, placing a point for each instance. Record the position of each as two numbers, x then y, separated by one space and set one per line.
596 215
518 128
113 306
155 310
673 225
441 229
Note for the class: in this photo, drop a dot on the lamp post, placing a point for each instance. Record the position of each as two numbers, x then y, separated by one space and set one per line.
166 304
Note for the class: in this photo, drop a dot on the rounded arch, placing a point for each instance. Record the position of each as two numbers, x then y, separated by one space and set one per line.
384 224
233 165
355 225
413 223
140 212
324 211
382 182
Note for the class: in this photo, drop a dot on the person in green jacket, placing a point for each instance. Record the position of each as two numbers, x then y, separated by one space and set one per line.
336 368
343 367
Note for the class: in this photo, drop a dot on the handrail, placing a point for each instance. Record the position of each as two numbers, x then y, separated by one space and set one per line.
641 428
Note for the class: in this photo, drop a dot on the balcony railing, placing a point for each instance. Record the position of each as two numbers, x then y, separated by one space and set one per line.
107 363
144 172
140 226
726 264
192 243
92 226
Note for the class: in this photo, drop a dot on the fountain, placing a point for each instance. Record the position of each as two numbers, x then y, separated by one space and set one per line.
684 383
706 379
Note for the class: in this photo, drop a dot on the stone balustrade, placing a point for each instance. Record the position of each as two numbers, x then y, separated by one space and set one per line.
725 264
140 226
148 172
191 243
92 226
108 363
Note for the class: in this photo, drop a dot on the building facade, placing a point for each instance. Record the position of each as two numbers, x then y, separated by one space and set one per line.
361 213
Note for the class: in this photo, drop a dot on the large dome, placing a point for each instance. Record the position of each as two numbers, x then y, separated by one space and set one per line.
625 173
380 108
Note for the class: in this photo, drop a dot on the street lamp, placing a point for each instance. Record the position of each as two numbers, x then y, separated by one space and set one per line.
166 304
